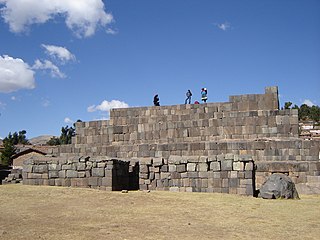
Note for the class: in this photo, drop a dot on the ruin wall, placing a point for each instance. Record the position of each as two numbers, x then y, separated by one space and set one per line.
249 127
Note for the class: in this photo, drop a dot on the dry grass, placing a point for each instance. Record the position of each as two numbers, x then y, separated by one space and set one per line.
33 212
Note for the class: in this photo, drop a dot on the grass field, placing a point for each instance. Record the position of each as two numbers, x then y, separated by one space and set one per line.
40 212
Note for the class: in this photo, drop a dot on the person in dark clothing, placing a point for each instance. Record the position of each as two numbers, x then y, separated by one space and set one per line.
156 100
188 94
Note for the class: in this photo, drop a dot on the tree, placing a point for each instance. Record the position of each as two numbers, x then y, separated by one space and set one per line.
287 105
315 113
7 153
304 112
54 141
66 136
18 138
9 143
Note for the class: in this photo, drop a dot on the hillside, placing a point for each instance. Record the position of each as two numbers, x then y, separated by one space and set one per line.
40 140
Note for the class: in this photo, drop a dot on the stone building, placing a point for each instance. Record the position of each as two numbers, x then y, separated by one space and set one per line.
228 147
26 153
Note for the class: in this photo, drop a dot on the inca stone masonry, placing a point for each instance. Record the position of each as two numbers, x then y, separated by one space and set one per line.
228 147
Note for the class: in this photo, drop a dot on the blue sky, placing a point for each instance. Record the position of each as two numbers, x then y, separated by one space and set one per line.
64 60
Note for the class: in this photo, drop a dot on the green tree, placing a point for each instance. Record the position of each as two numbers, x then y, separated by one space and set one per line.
8 151
315 113
304 112
66 136
287 105
18 138
295 107
54 141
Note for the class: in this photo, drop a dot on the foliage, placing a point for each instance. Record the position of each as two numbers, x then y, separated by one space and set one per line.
7 153
9 145
305 112
17 138
66 136
54 141
287 105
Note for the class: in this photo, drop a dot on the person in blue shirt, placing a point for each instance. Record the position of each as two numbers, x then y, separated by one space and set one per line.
204 96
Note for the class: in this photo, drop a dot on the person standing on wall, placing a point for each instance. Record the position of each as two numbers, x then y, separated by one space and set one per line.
188 94
156 100
204 93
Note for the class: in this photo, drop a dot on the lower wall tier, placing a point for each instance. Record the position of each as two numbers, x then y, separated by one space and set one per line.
225 173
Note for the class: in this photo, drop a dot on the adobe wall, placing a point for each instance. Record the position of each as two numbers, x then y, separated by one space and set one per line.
248 127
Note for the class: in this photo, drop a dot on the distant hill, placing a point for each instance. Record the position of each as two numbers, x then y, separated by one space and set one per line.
40 140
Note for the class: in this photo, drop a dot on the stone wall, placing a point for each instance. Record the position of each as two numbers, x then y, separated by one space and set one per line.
249 127
100 173
223 174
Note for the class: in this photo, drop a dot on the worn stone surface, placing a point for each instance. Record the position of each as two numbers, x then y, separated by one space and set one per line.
278 185
193 147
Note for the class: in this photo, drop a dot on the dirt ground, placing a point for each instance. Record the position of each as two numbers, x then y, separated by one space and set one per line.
39 212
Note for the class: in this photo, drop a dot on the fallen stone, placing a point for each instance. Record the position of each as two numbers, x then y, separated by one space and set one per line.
278 185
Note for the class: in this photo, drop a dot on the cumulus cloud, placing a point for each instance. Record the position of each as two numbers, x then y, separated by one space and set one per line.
81 16
223 26
106 106
308 102
15 74
60 53
48 65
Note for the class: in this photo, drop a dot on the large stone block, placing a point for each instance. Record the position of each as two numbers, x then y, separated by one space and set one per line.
27 168
226 165
215 166
157 161
53 174
40 168
191 167
72 174
144 168
172 168
202 167
181 168
93 181
238 166
54 167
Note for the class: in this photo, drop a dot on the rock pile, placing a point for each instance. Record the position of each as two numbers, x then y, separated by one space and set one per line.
14 177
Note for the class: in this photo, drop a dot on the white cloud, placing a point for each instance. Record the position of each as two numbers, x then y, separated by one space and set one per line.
81 16
106 106
45 102
223 26
48 65
68 120
308 102
111 31
61 53
15 74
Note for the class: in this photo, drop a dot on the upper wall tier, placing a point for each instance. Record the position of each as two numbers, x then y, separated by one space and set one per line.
244 117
